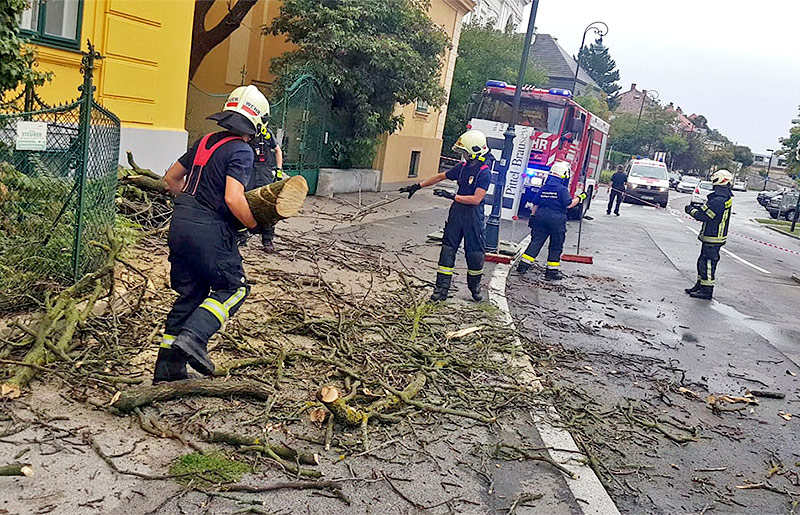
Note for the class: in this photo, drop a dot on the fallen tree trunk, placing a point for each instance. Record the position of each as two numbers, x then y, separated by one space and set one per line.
139 170
277 201
143 182
145 395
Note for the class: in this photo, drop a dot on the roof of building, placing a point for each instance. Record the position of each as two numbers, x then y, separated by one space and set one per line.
556 61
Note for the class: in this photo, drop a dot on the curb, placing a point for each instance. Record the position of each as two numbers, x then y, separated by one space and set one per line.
587 489
781 232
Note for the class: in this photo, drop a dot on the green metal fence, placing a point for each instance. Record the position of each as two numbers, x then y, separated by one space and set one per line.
301 119
58 176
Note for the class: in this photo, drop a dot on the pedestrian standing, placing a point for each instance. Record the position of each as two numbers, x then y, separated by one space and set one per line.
465 218
549 220
267 168
715 215
210 207
617 191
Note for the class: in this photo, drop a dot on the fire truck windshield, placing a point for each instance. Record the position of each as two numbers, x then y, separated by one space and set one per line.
535 113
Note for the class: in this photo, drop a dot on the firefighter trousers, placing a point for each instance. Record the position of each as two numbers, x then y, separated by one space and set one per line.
707 263
464 222
206 271
614 195
546 224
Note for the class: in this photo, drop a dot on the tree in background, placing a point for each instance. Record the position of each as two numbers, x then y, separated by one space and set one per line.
484 53
720 158
16 59
598 63
695 157
674 145
789 148
595 105
368 57
204 40
631 135
700 121
743 154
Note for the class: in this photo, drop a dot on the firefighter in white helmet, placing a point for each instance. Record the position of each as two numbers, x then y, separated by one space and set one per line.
206 267
549 220
715 215
465 219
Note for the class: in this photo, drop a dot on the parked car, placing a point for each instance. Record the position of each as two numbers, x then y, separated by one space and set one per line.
739 186
764 197
674 179
648 182
700 192
783 205
687 184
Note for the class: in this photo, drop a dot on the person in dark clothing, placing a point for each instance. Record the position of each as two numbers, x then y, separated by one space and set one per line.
715 215
549 220
206 268
267 168
617 191
465 218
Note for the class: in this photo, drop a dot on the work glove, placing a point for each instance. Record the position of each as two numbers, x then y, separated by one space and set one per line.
413 188
582 196
241 237
439 192
688 209
278 174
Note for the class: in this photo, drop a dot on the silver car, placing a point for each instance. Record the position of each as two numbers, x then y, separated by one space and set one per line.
687 184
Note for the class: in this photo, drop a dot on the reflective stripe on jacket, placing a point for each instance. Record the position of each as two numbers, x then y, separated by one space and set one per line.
715 215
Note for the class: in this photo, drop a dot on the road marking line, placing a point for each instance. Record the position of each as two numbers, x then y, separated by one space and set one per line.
587 487
737 258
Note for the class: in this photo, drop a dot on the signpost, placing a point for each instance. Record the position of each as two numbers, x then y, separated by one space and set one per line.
31 136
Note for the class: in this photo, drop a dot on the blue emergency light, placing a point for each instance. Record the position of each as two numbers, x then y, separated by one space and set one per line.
495 84
560 92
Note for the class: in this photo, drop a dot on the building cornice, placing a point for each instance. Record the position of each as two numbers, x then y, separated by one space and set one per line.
462 6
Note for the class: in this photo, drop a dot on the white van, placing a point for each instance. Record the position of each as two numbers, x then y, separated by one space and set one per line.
648 182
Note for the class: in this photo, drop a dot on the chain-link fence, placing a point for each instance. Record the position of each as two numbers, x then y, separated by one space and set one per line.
58 173
301 119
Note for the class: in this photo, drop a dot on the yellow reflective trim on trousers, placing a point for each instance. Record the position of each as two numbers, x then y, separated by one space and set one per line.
475 272
554 263
528 258
216 308
704 282
166 343
446 270
234 299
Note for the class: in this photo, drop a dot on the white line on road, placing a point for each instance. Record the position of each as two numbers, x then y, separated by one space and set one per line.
737 258
587 487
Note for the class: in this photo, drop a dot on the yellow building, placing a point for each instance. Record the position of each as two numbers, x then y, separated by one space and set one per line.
409 155
144 73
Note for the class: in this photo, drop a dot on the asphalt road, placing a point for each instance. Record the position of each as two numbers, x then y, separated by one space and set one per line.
640 358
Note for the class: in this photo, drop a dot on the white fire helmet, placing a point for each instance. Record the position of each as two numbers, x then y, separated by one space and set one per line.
472 143
721 178
246 110
560 169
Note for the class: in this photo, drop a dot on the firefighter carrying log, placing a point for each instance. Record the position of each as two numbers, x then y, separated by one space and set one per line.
210 207
465 219
715 215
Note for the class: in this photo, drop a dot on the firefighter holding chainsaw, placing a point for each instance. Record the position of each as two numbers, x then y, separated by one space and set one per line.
465 219
206 270
549 220
715 215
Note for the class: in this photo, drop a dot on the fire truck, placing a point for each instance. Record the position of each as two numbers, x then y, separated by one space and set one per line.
550 126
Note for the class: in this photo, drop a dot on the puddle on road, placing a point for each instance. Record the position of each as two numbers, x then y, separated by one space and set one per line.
783 340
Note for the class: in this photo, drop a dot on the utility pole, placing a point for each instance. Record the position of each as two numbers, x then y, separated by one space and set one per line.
493 223
769 165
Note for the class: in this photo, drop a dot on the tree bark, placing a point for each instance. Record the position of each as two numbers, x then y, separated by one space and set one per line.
137 397
203 41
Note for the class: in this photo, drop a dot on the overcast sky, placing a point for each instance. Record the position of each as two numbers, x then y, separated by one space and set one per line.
735 61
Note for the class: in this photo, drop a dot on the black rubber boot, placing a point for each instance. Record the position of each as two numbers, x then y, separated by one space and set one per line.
552 274
474 285
169 367
442 287
523 266
705 292
195 351
693 289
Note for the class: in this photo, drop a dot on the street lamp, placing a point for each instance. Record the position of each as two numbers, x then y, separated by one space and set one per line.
652 95
493 223
769 165
599 28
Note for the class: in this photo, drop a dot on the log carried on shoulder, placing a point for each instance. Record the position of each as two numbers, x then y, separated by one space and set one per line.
277 201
